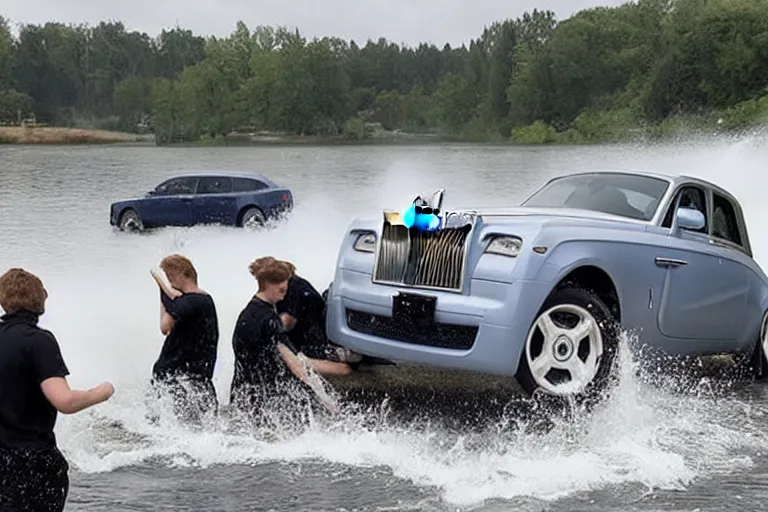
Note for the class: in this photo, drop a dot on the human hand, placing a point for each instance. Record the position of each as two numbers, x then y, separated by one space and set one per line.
332 406
169 290
154 272
105 390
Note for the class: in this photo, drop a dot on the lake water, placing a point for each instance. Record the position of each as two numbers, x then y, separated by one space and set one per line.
653 446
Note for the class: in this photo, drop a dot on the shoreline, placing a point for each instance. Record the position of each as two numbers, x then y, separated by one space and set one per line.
52 135
20 135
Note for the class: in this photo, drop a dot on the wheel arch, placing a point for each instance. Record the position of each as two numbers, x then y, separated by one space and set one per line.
594 278
125 209
589 279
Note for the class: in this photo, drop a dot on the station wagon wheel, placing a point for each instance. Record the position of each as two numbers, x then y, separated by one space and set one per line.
570 347
252 218
130 221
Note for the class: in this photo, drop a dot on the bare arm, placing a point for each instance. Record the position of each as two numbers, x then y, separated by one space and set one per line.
331 368
166 321
70 401
297 368
293 363
169 291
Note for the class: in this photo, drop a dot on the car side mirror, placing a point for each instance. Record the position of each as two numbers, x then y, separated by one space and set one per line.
690 218
152 193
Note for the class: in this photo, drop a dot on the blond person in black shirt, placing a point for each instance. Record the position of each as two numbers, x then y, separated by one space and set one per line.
267 369
189 320
33 388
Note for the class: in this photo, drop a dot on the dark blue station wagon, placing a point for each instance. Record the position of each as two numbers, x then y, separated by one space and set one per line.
242 200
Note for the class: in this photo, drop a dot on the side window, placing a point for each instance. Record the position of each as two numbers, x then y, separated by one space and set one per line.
690 197
214 185
724 221
247 185
177 187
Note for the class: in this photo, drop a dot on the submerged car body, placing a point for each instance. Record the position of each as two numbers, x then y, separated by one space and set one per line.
210 198
532 291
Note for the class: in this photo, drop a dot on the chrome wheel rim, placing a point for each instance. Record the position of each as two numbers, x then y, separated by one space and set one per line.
131 222
564 340
252 221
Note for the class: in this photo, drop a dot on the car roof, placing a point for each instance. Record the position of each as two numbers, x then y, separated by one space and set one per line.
223 174
674 179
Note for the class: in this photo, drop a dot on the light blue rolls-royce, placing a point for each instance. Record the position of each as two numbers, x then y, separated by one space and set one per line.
542 291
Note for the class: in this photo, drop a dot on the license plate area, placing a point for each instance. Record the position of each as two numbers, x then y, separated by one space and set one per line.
414 310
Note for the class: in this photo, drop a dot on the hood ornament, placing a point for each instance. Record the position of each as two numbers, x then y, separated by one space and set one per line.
427 215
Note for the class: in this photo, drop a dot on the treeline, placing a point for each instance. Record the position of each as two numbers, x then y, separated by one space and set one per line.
602 74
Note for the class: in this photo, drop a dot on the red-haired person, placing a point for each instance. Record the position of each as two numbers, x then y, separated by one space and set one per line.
33 389
189 321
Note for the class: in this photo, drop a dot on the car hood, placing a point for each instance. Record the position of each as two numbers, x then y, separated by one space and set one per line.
532 217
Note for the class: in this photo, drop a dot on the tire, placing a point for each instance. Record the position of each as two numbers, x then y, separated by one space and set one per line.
755 364
569 371
130 221
252 218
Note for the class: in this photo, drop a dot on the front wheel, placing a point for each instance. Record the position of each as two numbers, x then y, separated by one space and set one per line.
130 221
755 364
571 346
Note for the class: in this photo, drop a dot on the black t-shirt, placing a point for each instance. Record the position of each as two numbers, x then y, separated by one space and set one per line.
307 306
190 347
254 341
29 355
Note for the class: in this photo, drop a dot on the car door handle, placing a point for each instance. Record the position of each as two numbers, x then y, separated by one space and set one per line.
669 262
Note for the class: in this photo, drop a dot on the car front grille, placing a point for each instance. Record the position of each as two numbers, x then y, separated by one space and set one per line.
457 337
422 259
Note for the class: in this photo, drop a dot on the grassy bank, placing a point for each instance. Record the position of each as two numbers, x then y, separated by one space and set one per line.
53 135
607 126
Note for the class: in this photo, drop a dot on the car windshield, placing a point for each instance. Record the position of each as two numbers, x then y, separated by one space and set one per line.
628 195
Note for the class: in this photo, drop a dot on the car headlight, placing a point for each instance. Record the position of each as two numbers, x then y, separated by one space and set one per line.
505 246
365 242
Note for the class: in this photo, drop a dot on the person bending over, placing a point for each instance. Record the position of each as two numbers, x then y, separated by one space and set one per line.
266 366
189 320
302 312
33 389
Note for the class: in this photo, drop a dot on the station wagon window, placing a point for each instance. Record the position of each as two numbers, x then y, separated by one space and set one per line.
214 185
725 224
690 197
247 185
177 187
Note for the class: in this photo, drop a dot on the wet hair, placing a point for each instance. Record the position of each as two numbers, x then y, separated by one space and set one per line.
179 265
257 265
21 290
268 270
291 267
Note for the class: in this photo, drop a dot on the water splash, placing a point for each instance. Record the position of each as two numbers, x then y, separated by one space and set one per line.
657 429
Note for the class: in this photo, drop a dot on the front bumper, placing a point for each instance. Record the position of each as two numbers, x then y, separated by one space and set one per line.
482 332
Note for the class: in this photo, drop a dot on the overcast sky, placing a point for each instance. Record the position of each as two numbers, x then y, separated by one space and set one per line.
403 21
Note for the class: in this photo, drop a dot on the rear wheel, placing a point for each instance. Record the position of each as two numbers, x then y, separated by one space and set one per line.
130 221
571 346
252 218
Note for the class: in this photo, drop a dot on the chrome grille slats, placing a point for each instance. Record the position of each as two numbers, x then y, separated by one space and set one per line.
422 259
393 252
